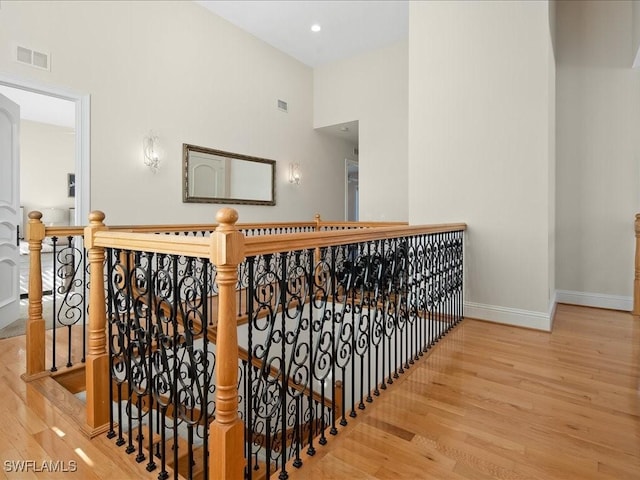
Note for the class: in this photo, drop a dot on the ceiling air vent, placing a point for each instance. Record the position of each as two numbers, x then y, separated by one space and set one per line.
282 105
32 57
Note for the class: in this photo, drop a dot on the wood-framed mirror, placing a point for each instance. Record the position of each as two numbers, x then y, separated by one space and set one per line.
215 176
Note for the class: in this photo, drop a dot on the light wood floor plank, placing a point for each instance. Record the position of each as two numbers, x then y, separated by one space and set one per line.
497 402
488 402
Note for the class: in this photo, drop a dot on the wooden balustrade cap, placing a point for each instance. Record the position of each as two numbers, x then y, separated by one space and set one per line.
227 216
96 216
35 215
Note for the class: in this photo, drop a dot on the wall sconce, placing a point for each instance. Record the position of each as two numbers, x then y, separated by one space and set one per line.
150 149
294 173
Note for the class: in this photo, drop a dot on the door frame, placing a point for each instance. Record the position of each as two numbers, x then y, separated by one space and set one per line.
82 137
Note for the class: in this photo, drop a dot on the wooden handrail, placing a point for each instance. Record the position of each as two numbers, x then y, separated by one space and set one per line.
199 246
301 241
65 231
361 224
205 227
319 223
167 244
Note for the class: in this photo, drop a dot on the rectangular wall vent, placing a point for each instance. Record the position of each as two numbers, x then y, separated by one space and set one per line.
282 105
33 58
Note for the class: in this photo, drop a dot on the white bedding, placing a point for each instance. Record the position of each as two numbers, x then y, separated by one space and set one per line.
24 247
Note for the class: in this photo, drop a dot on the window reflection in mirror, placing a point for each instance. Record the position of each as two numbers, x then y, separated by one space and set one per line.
214 176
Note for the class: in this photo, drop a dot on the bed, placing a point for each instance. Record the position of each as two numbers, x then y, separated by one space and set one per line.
47 268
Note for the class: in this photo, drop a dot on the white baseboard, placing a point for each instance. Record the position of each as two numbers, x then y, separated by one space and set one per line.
544 321
510 316
598 300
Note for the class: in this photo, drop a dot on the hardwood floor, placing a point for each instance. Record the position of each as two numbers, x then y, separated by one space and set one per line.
496 402
489 402
33 430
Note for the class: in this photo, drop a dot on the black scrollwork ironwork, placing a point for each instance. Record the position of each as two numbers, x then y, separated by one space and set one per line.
329 328
69 295
322 331
162 362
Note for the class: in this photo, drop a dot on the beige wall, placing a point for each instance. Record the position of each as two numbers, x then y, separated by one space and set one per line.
480 146
635 40
46 157
598 161
371 88
474 100
177 69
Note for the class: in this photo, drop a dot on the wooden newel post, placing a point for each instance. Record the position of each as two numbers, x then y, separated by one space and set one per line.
636 281
226 434
316 253
97 363
35 323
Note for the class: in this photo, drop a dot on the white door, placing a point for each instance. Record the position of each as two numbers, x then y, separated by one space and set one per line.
9 211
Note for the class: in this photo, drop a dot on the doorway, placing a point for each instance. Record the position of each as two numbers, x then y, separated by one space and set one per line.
59 108
53 165
351 187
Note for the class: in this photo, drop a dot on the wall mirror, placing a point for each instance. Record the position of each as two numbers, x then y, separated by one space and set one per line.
214 176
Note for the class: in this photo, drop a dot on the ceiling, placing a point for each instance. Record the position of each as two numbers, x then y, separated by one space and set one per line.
347 131
348 27
42 108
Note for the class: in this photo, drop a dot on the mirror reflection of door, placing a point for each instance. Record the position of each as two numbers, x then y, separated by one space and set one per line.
215 176
351 190
208 174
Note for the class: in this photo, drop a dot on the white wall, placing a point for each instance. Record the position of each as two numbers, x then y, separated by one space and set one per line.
480 146
371 88
598 120
177 69
47 155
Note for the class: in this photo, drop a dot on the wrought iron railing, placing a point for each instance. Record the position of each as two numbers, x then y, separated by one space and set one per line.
58 283
69 280
325 323
337 326
275 334
161 359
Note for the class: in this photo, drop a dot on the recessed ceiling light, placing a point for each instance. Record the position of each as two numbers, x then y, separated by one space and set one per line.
316 27
344 129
